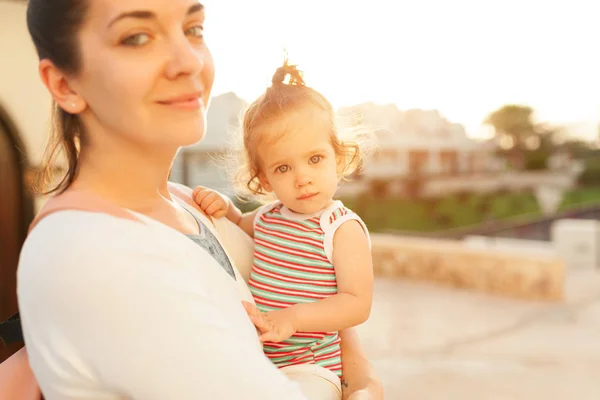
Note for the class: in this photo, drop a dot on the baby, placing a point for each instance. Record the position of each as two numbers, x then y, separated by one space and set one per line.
312 273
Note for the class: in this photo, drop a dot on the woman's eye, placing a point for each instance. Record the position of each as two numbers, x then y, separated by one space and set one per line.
283 168
315 159
196 31
136 40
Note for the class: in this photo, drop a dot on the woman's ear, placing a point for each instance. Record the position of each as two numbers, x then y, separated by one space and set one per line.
60 88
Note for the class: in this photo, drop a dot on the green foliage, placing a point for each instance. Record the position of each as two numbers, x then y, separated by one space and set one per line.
532 143
513 120
536 160
453 211
591 173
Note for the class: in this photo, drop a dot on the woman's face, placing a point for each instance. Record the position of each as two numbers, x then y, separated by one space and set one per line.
146 72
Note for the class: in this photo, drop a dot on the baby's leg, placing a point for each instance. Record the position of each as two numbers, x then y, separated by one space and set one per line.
316 382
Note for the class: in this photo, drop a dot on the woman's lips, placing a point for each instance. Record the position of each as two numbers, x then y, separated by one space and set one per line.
190 101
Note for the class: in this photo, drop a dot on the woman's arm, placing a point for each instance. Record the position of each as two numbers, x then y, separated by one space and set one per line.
360 380
131 312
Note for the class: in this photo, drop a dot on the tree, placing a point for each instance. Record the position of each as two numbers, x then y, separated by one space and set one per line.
514 121
525 143
578 148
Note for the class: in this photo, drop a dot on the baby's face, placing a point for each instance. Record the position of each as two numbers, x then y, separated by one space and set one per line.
300 167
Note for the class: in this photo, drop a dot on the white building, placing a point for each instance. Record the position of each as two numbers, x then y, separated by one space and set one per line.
413 154
205 163
419 142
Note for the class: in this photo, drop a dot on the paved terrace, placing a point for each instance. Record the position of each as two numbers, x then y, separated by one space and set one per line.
433 342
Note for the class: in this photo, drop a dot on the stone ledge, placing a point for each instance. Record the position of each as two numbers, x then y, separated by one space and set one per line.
518 275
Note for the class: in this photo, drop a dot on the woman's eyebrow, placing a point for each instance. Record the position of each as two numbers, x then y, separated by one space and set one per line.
144 14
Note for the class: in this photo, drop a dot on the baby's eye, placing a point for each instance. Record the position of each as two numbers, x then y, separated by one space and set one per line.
315 159
283 168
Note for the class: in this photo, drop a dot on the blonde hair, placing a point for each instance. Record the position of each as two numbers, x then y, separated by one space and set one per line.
277 101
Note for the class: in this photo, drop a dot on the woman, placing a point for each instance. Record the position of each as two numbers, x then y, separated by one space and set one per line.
125 290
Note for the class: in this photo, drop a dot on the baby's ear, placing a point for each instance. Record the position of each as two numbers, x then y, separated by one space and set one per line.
264 182
340 163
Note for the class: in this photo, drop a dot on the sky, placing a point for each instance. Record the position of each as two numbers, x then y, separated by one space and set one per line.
465 58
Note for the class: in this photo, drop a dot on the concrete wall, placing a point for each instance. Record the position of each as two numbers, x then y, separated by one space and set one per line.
451 263
574 241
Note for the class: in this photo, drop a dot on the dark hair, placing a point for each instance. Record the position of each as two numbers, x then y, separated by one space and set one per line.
279 99
53 26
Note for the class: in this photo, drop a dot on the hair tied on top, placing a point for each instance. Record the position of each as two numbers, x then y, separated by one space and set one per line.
286 69
279 76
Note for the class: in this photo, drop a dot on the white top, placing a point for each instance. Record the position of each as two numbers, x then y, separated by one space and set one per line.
117 309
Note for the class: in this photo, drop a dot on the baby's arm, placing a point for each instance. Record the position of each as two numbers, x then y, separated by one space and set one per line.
349 307
216 205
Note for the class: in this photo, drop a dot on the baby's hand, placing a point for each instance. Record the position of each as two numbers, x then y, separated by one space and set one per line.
273 326
211 202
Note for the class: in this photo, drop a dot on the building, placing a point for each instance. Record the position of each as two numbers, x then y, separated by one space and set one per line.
206 163
415 154
418 143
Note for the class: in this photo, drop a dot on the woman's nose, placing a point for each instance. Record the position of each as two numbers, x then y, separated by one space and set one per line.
185 59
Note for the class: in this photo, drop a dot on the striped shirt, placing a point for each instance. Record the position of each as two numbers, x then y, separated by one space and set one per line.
292 265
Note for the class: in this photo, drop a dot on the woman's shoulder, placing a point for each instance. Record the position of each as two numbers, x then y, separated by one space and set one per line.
68 239
70 254
82 225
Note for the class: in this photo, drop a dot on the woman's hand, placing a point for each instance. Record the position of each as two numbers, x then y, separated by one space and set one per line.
273 326
213 203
